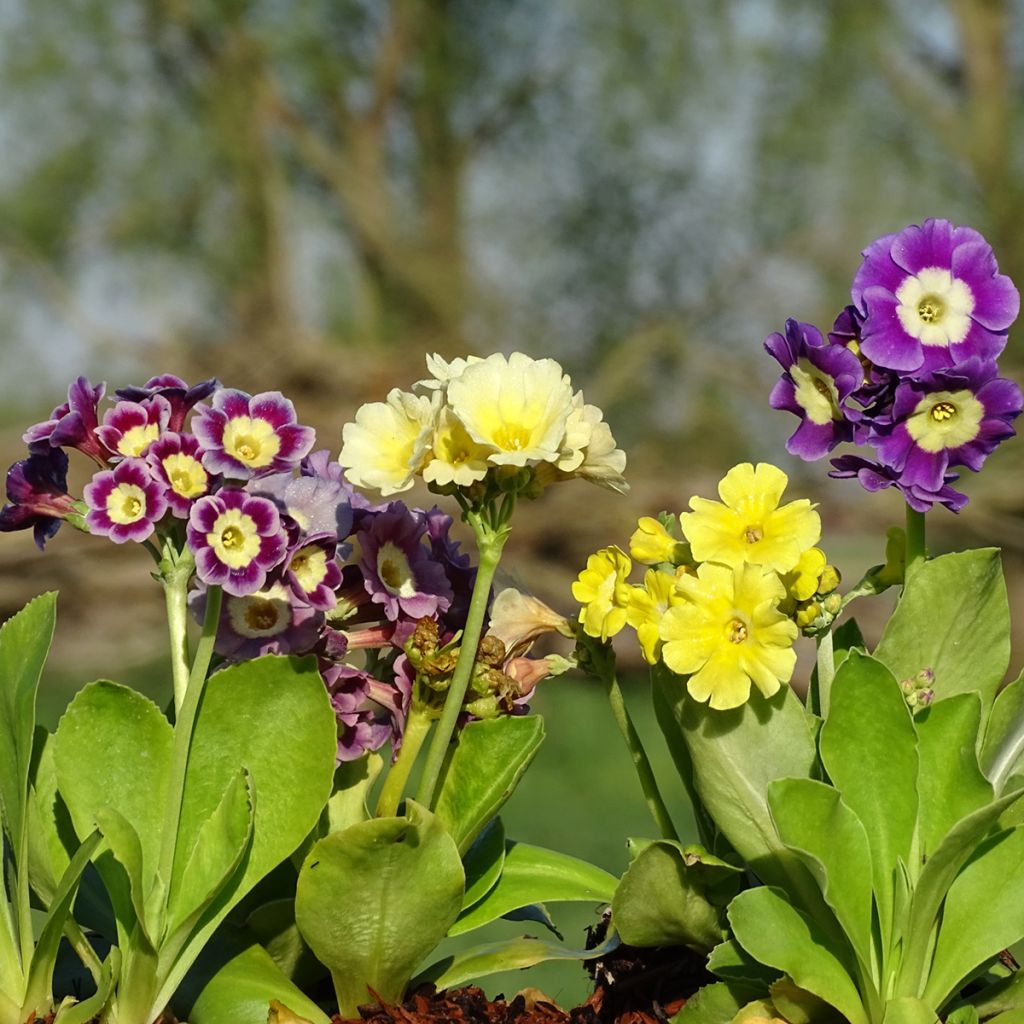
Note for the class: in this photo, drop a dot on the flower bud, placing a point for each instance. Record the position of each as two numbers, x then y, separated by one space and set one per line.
830 579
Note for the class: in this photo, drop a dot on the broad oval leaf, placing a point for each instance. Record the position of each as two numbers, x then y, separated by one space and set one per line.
374 900
719 1002
535 875
907 1010
483 862
482 770
1004 735
952 617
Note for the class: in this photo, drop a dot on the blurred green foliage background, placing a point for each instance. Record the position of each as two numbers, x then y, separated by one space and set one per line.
309 195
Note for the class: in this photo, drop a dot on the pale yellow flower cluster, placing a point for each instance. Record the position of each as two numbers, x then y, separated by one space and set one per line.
473 417
718 608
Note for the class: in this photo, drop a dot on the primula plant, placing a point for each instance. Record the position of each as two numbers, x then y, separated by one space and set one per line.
860 849
247 842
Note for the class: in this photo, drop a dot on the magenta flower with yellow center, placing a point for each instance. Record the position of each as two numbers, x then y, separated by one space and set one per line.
176 460
603 592
729 633
124 503
748 525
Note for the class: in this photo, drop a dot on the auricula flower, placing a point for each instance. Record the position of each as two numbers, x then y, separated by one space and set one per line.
729 633
237 538
176 460
269 621
651 543
931 296
751 526
73 424
873 476
603 592
589 450
178 395
388 443
125 502
313 573
516 406
455 458
518 619
243 436
37 495
647 607
802 581
817 380
129 428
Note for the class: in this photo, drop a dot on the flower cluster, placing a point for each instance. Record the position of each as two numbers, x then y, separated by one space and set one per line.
909 368
511 422
724 606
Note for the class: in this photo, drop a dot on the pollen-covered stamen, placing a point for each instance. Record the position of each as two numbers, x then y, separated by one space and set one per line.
513 437
126 504
736 631
753 534
945 419
930 309
942 411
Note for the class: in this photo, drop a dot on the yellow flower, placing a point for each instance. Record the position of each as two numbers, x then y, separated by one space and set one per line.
750 527
386 445
651 543
604 593
647 607
729 633
518 407
803 580
455 458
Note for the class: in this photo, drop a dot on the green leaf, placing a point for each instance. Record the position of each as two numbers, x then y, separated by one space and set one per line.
273 924
950 784
963 1015
24 644
92 1006
731 962
983 913
773 931
39 988
509 955
534 875
374 900
813 820
219 849
953 617
907 1010
1004 735
662 901
718 1003
1008 1017
1000 997
352 782
237 987
50 832
482 770
869 723
129 888
798 1006
483 862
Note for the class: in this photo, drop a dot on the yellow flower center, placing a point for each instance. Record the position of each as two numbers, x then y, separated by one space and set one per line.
234 538
310 567
946 419
394 571
186 475
931 308
261 614
512 437
736 631
943 411
136 440
126 504
251 441
753 534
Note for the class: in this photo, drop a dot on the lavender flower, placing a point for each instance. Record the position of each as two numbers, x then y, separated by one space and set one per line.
125 502
237 539
243 436
313 573
873 476
319 505
932 296
131 427
176 461
37 495
72 425
817 381
175 391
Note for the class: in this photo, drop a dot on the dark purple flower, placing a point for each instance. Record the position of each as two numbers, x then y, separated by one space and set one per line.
952 417
176 460
37 495
875 477
244 436
398 572
817 381
237 539
313 573
269 621
456 564
73 424
178 394
367 710
125 502
932 296
131 427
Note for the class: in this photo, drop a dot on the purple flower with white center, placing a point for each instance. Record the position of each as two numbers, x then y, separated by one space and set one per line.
73 424
236 539
176 460
313 573
952 417
37 495
932 296
873 476
816 382
398 571
269 621
244 436
318 505
125 502
178 394
131 427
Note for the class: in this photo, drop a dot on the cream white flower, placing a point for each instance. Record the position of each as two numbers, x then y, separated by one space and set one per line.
517 619
588 451
455 458
518 406
387 444
443 371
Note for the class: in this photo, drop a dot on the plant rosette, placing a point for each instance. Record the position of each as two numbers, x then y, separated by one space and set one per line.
249 843
860 851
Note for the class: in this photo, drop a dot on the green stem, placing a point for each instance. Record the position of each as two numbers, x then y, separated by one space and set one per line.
826 672
648 783
916 551
83 949
175 572
490 542
417 726
183 728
